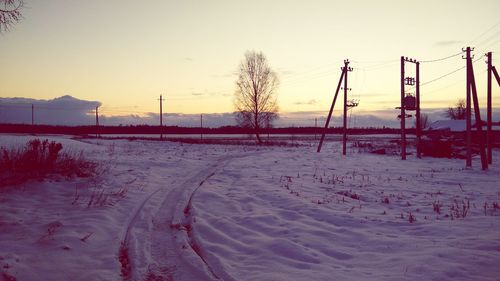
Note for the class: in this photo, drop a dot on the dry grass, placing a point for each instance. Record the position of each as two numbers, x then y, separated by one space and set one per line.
39 159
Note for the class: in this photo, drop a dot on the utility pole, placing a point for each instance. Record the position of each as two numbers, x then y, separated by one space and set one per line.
96 121
468 161
418 131
161 117
402 114
201 126
489 135
409 102
344 70
472 91
344 137
315 127
488 110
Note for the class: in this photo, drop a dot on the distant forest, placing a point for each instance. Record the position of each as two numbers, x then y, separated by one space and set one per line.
146 129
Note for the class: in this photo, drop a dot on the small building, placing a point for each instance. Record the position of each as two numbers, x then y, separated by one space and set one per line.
442 136
457 128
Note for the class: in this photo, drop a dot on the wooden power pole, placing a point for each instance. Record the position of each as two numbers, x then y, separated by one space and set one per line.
161 117
344 131
409 102
315 128
418 131
96 121
402 114
468 140
472 91
344 70
489 134
201 126
488 110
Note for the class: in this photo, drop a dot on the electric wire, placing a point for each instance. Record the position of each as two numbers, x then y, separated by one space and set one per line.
481 74
444 75
440 59
485 32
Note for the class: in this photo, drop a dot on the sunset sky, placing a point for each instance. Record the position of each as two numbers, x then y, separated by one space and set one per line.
124 54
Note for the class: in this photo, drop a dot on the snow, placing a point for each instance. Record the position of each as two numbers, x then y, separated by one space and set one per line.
208 212
452 125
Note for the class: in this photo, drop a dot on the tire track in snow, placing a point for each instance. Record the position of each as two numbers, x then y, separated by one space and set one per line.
168 250
176 255
183 221
123 253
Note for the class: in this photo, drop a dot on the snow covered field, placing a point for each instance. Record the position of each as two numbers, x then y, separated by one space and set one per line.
173 211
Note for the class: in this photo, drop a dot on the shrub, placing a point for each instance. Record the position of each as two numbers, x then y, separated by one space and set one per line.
37 159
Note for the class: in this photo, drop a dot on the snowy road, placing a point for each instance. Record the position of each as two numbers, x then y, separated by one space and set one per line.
174 254
166 248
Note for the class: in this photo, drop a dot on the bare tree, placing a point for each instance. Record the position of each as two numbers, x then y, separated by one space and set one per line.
424 121
10 13
255 96
457 112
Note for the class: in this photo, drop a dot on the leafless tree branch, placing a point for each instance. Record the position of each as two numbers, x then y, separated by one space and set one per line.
458 112
10 13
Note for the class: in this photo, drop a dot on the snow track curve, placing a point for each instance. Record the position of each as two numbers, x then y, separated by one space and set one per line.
158 241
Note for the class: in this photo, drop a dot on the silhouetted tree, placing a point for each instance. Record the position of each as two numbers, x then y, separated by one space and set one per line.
457 112
10 13
424 121
255 96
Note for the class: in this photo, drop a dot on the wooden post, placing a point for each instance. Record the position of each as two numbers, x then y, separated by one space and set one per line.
417 101
477 115
344 131
468 161
331 110
315 127
161 117
403 130
96 121
488 111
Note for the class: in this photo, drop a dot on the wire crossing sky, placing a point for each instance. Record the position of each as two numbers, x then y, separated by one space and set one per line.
124 54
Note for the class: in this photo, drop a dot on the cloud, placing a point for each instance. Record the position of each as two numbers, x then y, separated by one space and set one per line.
446 43
309 102
65 110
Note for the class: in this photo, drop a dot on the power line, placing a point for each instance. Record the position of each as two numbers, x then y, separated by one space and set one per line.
441 59
378 66
376 62
489 38
302 79
441 77
481 74
444 75
482 34
312 71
